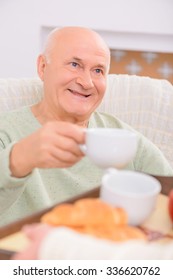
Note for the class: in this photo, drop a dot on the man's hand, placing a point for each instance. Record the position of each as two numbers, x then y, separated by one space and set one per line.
54 145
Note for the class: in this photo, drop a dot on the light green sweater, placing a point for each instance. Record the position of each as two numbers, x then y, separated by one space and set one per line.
44 187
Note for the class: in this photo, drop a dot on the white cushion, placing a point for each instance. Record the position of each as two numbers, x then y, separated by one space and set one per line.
15 93
144 103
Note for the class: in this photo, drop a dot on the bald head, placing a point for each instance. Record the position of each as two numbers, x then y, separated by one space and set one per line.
67 36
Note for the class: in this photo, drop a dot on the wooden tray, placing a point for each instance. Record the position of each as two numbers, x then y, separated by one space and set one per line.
12 231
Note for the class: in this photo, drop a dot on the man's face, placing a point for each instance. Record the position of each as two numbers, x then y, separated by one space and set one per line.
75 77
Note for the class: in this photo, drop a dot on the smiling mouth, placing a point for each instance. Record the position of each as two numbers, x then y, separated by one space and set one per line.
76 93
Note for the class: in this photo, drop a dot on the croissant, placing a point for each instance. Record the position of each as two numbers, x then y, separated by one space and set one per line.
94 217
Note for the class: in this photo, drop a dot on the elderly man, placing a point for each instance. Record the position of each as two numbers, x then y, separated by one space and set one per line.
40 159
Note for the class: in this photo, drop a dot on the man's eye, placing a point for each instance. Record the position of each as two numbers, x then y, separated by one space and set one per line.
98 71
74 64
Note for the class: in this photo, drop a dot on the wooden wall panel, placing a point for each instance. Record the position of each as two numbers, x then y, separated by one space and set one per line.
155 65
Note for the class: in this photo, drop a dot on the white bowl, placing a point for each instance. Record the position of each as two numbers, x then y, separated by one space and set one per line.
135 192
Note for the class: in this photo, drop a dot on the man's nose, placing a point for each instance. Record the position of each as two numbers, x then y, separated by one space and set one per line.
85 80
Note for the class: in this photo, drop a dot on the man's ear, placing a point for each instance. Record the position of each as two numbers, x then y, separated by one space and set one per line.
41 64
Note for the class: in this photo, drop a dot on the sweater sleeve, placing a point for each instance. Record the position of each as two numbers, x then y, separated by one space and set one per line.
10 187
150 159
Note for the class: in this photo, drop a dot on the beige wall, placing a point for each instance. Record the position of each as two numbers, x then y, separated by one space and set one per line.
130 25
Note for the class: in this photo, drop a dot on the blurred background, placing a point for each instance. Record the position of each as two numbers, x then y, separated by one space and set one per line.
138 32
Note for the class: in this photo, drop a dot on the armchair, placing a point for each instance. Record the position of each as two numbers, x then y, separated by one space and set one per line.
144 103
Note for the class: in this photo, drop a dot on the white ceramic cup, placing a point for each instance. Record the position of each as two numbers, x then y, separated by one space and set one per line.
135 192
110 147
